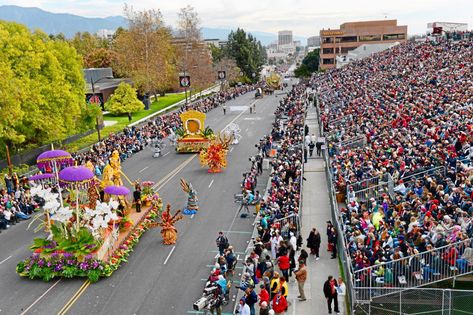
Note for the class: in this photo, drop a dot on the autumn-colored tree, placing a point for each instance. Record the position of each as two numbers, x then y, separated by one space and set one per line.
124 100
145 52
232 72
101 58
85 43
41 90
193 55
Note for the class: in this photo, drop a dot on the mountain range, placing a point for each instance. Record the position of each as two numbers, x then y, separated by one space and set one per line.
69 24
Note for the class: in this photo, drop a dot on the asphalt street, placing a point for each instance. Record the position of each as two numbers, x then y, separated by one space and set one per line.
157 279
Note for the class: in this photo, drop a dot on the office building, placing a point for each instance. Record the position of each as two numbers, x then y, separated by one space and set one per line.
336 42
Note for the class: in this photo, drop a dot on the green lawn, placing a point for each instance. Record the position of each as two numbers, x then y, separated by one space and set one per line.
122 121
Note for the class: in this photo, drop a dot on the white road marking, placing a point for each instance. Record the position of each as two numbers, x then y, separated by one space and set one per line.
210 185
192 216
231 149
42 295
166 153
1 262
170 253
246 130
143 169
238 116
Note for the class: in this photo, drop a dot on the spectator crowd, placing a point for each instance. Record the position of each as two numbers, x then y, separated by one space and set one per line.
405 113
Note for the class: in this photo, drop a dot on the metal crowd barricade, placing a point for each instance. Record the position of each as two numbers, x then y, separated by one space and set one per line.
437 171
354 142
421 269
417 301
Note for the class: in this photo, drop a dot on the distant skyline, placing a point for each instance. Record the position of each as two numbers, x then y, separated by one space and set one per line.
303 17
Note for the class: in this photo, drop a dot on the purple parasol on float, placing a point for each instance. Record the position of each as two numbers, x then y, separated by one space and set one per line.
41 176
116 190
76 177
60 157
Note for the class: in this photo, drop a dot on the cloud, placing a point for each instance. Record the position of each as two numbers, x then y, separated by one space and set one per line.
304 17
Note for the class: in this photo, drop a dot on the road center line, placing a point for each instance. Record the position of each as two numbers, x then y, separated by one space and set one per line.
192 216
143 169
231 149
210 185
40 297
1 262
166 153
170 253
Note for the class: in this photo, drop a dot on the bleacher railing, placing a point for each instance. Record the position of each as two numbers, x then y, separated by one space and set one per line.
415 270
425 301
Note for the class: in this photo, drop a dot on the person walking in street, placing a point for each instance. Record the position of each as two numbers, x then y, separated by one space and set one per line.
313 242
224 107
301 277
318 145
222 242
330 292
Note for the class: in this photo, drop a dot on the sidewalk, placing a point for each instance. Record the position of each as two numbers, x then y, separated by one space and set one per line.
315 213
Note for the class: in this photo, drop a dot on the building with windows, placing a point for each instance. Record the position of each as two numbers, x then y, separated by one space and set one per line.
336 42
313 41
285 38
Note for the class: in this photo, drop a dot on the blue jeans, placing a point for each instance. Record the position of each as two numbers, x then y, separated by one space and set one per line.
22 216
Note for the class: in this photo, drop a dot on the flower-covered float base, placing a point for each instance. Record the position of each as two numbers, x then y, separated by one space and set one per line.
191 145
52 260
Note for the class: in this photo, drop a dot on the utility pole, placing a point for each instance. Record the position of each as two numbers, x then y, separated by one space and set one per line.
10 166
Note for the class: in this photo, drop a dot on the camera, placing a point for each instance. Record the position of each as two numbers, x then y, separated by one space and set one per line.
200 304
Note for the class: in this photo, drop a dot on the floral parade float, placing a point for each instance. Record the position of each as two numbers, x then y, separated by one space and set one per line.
167 222
81 240
215 155
192 207
193 137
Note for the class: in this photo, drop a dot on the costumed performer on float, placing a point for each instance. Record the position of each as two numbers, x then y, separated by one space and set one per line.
168 230
192 206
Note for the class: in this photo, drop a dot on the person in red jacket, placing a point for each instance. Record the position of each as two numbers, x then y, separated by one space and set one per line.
284 264
279 304
263 295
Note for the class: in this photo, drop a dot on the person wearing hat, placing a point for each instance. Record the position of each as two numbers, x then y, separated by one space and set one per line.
244 309
263 295
279 304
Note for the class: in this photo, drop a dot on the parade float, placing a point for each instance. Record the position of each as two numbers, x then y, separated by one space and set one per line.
192 202
193 136
84 236
215 155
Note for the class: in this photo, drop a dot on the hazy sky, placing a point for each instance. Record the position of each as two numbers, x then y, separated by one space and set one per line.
304 17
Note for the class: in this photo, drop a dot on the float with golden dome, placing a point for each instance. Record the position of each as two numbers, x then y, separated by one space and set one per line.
193 136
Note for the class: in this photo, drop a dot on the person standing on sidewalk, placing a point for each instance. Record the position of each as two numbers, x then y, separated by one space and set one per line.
331 294
333 240
313 242
279 304
301 277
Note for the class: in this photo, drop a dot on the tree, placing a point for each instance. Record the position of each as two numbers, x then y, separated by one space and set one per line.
193 55
42 88
248 53
309 65
145 52
124 100
101 58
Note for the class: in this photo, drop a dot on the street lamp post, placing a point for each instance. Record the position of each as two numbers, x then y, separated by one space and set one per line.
92 83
